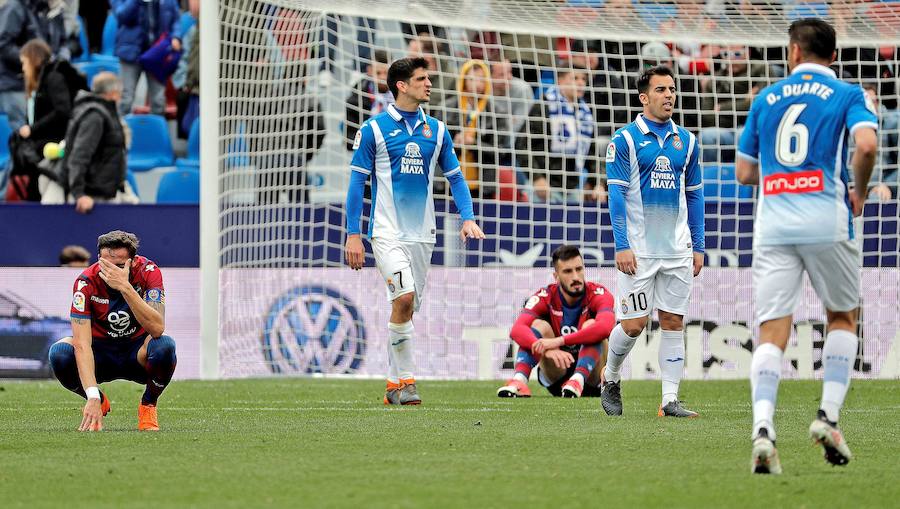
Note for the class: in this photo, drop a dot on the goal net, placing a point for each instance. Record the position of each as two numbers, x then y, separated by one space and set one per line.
531 91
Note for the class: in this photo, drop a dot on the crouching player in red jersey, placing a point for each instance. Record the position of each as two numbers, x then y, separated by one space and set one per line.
567 320
118 319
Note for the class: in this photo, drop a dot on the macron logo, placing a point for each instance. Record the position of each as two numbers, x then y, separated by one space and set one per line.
795 183
395 132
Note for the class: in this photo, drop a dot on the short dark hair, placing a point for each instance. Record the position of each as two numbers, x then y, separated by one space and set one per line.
563 253
814 36
73 253
643 82
380 56
116 239
402 70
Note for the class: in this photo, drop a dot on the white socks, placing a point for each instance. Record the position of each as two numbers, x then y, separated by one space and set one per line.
619 346
765 373
671 363
838 356
521 377
400 352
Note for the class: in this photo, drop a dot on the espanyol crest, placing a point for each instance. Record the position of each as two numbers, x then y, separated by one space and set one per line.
313 329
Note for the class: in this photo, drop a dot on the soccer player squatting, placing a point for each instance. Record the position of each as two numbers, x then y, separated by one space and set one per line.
118 319
564 320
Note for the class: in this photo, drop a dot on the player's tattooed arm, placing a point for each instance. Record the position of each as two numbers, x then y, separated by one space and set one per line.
81 321
160 308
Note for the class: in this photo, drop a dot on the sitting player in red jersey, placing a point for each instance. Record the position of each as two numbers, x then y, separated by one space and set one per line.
118 319
569 319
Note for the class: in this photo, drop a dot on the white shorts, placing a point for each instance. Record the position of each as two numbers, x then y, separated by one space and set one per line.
404 266
832 267
660 283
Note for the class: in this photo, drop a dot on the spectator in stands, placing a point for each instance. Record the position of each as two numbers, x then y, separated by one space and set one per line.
141 23
558 141
725 99
57 26
543 193
16 28
477 132
607 95
328 38
93 169
50 86
94 13
884 182
511 100
186 79
441 67
370 96
74 256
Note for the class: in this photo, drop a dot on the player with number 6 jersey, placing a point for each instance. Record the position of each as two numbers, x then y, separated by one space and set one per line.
794 145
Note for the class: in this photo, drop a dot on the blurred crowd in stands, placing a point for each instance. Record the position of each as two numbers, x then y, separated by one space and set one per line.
69 74
530 115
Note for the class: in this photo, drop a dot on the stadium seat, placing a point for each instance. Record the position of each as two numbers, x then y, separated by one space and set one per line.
720 182
192 161
83 40
151 146
108 44
807 10
180 186
129 176
91 68
653 14
5 132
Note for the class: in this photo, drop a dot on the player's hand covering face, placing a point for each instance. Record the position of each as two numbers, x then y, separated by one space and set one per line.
115 267
659 101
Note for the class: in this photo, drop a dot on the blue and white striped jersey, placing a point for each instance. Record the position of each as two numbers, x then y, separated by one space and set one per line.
656 172
403 160
797 132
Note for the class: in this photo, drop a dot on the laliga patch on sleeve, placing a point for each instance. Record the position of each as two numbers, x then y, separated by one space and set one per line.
870 105
611 152
358 139
78 301
155 295
532 302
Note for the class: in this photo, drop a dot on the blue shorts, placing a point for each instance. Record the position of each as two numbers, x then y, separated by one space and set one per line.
117 360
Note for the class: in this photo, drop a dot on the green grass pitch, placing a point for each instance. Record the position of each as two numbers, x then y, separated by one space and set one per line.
331 443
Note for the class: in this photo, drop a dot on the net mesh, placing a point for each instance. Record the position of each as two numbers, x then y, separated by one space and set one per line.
297 78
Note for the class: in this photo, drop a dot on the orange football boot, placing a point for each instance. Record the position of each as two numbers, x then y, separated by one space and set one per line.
105 407
147 420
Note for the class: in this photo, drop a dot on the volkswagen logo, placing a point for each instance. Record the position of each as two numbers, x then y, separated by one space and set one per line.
313 329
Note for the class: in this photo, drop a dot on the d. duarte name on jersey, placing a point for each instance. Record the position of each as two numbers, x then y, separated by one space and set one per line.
662 177
412 162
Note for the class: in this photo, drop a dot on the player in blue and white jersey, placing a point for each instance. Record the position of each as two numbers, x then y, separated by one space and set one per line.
401 147
794 145
656 208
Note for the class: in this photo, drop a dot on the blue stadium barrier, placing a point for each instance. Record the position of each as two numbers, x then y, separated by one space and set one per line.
192 161
151 146
720 182
180 186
